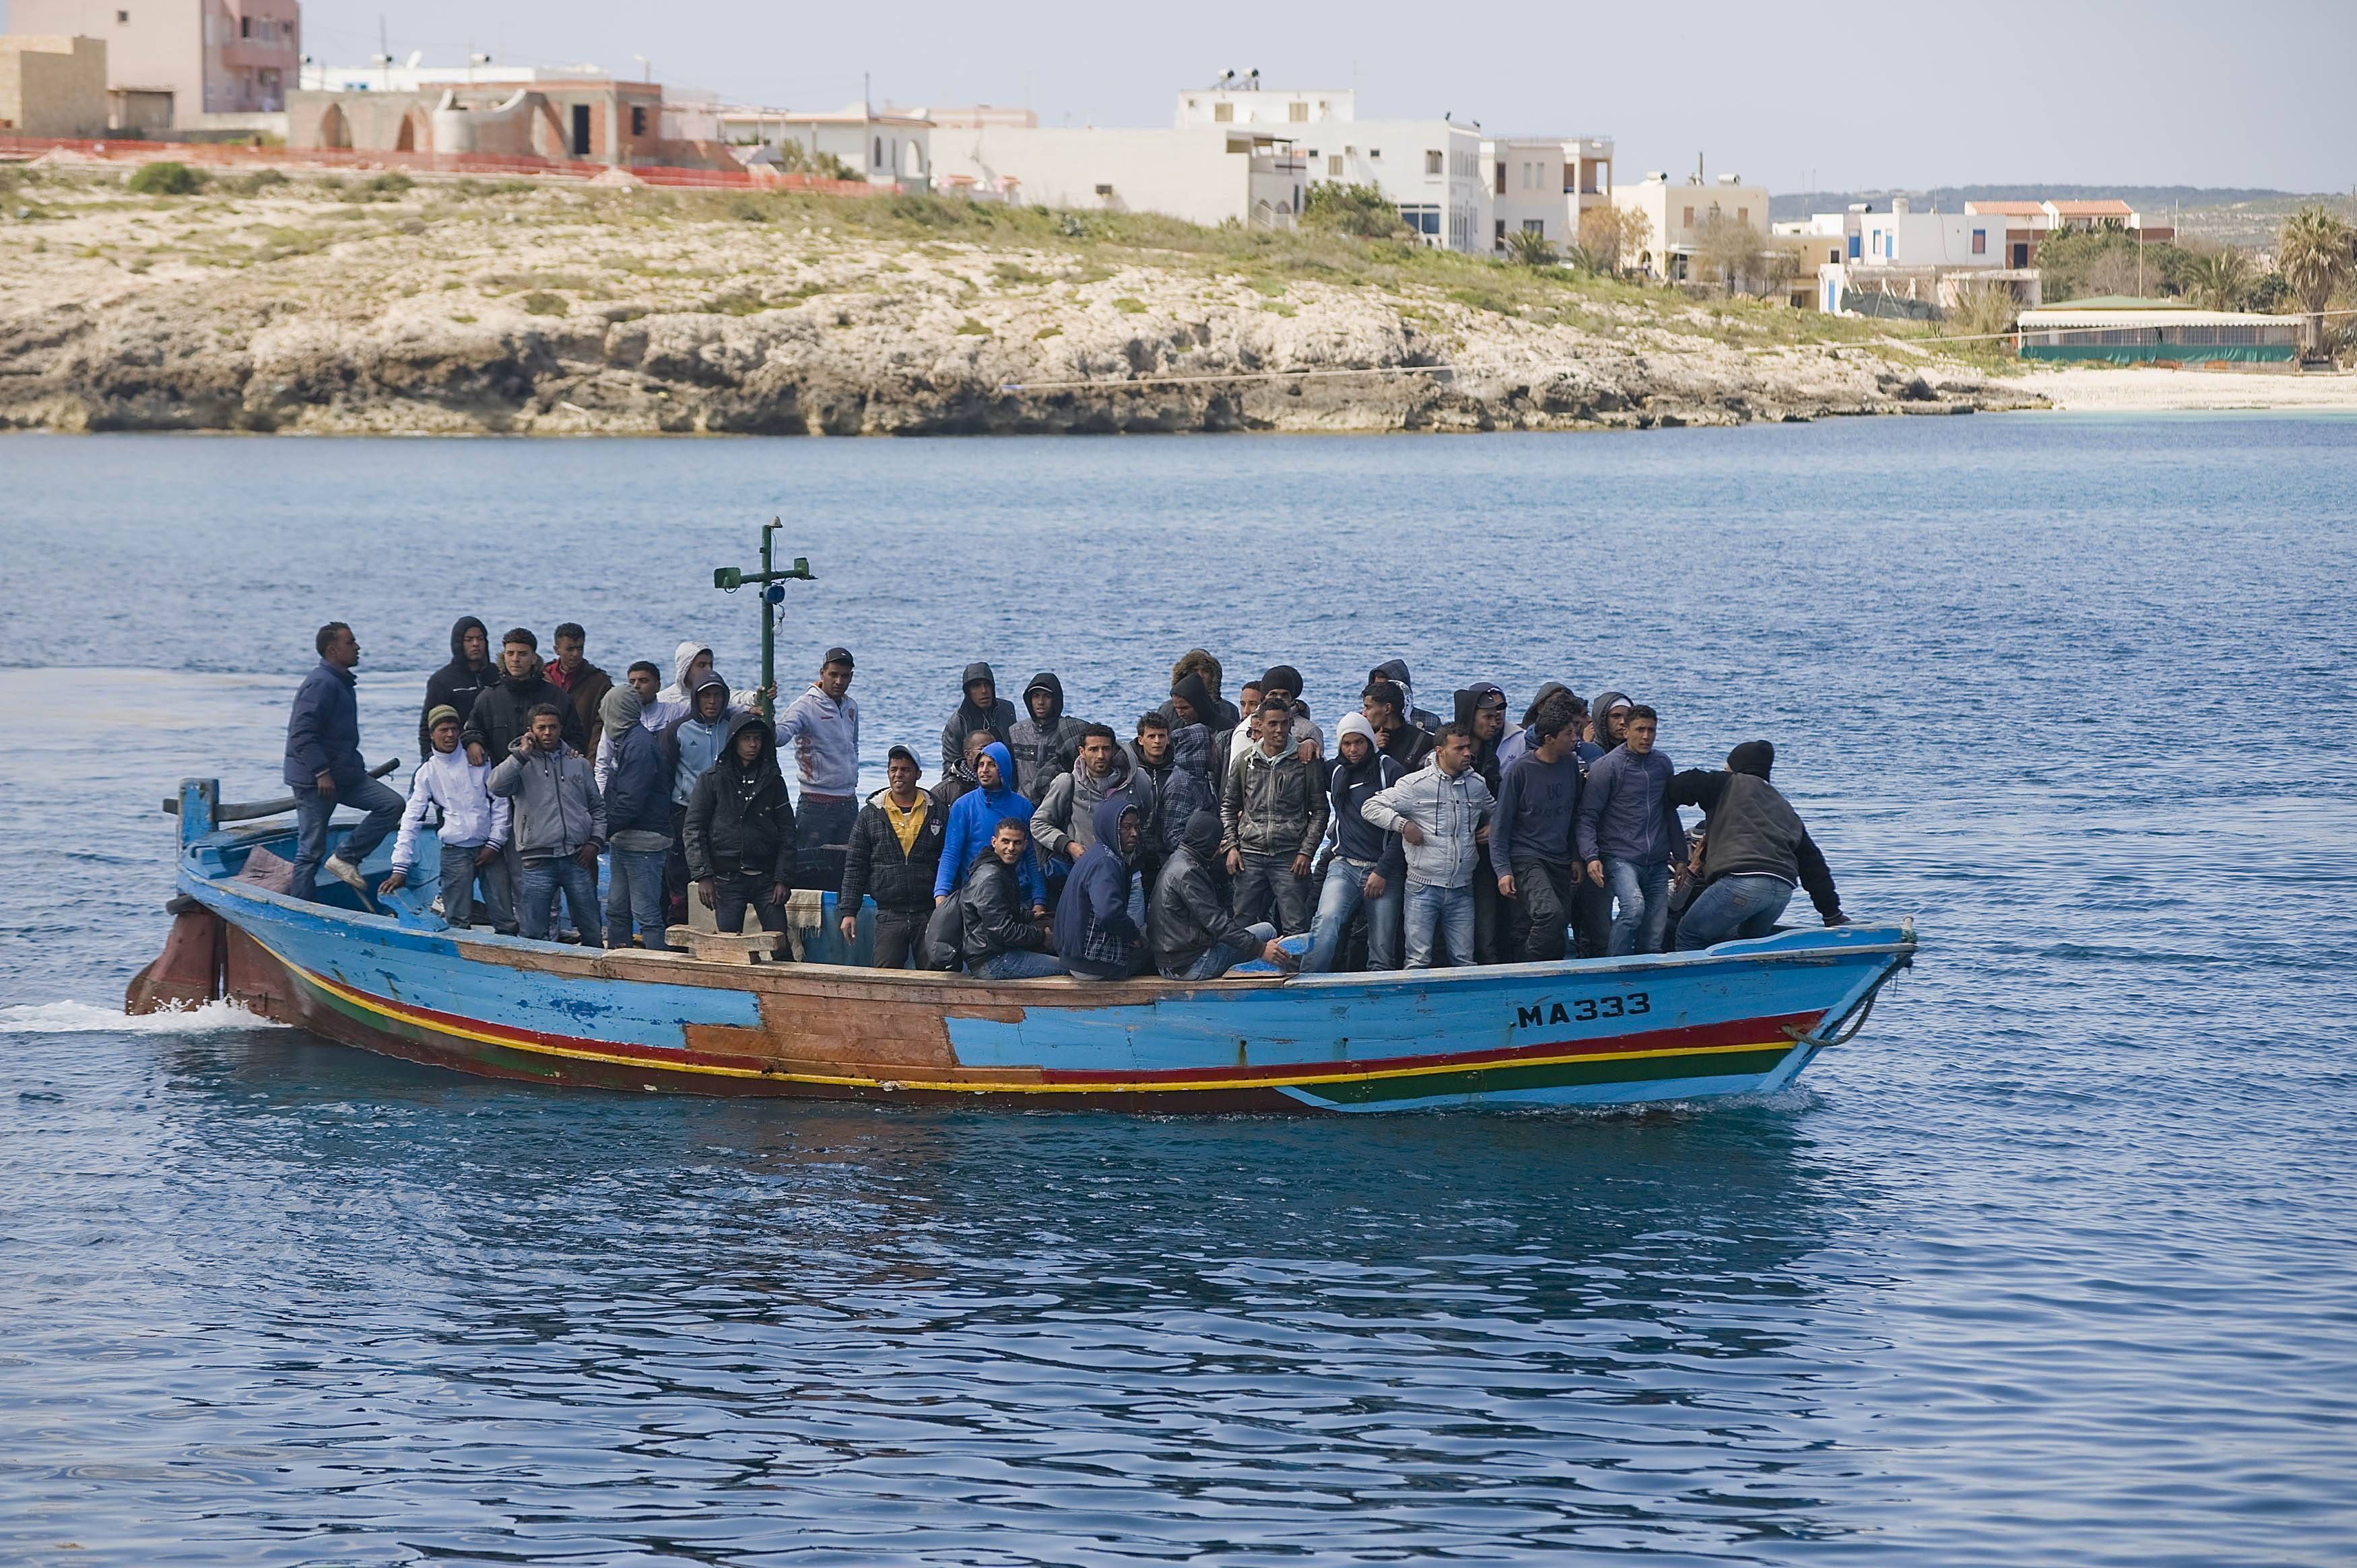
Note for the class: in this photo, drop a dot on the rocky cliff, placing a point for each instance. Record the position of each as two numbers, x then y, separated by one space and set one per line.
320 306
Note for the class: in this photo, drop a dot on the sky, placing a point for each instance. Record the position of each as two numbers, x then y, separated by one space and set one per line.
1898 95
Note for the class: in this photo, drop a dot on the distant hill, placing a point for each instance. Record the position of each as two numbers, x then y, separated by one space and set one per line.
1952 198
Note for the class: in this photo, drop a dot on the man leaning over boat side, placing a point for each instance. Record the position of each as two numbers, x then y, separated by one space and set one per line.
473 834
1191 925
894 853
557 827
1755 851
820 730
740 830
324 768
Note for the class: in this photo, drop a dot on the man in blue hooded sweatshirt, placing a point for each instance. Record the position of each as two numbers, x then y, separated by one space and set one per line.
1096 936
977 816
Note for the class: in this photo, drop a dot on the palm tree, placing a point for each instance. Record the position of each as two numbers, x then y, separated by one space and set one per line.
1529 248
2219 279
2317 252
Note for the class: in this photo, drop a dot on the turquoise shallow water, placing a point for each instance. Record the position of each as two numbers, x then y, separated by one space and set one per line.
2053 1264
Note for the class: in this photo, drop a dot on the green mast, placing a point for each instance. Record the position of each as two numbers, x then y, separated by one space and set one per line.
728 579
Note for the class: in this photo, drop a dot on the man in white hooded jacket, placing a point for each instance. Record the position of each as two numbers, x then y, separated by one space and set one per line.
474 830
1442 815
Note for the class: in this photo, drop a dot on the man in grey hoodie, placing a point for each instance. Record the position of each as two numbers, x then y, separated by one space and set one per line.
1064 824
558 827
1442 816
1272 815
1629 835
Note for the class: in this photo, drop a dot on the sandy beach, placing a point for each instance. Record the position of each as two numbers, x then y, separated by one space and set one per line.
2122 390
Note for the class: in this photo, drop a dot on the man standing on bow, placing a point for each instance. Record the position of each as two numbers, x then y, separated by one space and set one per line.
820 729
324 766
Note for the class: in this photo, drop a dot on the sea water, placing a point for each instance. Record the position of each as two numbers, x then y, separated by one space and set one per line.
2053 1263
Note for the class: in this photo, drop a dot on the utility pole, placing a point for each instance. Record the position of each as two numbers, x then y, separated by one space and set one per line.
772 581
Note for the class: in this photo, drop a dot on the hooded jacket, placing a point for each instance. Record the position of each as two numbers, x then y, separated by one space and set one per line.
876 866
457 683
974 818
1516 744
739 821
691 745
637 790
1178 789
997 720
1093 931
1423 719
1485 752
471 815
995 912
323 729
1752 831
1272 805
1449 810
1597 712
1188 914
1625 811
824 736
503 713
556 806
1067 814
1213 713
1043 748
1355 838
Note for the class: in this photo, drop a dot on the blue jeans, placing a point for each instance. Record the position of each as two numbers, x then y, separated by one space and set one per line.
1642 892
634 890
1267 884
1019 963
1344 896
312 810
544 879
1733 907
1443 912
1222 957
460 875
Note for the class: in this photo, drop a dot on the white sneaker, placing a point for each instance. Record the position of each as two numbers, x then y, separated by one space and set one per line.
345 872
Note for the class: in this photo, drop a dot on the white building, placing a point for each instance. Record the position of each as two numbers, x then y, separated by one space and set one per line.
1903 237
1241 101
1208 174
1430 169
880 145
1678 217
1541 184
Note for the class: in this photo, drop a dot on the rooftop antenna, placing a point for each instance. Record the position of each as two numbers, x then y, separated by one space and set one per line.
772 582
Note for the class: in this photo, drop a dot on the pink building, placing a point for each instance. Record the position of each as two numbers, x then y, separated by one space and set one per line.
212 57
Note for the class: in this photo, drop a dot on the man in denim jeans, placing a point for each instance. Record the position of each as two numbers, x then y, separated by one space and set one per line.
323 764
637 794
1442 815
558 825
1756 850
1367 869
1629 835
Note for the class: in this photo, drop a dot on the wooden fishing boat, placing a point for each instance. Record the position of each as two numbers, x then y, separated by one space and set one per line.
1741 1018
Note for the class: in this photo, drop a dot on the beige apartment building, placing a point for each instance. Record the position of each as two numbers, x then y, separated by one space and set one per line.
1677 216
52 86
173 63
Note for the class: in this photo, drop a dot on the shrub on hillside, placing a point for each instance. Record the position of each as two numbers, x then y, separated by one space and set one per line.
1357 210
165 179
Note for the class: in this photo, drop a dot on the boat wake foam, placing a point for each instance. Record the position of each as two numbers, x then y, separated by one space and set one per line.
84 1018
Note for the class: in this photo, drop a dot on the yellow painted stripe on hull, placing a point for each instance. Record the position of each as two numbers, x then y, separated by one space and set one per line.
1305 1080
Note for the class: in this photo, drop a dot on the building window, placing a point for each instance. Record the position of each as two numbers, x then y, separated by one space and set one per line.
637 119
1374 154
1223 112
1334 165
123 18
245 26
1298 112
1432 163
1743 216
1501 186
1533 226
1980 241
1689 222
879 152
1500 241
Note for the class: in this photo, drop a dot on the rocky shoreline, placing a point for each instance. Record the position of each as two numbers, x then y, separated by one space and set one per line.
567 313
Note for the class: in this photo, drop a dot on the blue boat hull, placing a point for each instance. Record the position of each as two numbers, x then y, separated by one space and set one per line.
1742 1018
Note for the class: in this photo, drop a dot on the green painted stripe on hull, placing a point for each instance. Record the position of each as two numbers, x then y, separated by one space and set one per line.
1546 1075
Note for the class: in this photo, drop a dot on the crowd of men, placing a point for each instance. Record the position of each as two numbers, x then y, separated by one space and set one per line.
1049 845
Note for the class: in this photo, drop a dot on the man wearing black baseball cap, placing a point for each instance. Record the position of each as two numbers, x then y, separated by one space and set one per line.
896 850
819 732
